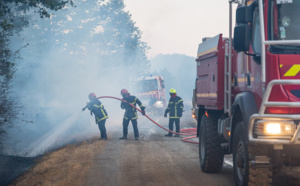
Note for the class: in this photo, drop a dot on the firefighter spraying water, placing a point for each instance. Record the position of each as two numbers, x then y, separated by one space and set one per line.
97 108
189 132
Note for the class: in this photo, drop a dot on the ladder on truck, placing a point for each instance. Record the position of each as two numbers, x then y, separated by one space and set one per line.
227 80
228 64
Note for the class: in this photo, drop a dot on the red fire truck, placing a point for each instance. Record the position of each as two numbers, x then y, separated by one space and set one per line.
247 93
151 91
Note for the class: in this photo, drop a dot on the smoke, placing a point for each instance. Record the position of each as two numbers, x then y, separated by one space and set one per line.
179 72
78 51
52 137
69 56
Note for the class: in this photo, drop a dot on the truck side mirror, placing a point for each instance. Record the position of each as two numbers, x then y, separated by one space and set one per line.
243 15
162 85
241 37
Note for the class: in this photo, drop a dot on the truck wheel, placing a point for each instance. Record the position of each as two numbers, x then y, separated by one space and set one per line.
211 154
240 156
244 173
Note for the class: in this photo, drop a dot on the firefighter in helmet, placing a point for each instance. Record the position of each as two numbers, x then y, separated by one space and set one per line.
97 108
175 108
130 113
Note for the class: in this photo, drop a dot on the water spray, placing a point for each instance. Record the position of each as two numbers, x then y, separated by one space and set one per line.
190 132
50 138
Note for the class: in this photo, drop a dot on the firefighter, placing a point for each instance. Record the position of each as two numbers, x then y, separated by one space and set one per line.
175 108
97 108
130 113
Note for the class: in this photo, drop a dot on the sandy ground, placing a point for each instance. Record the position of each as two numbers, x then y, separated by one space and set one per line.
67 166
152 160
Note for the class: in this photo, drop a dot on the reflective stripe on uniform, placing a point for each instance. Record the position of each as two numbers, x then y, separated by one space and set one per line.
104 115
176 108
136 117
100 106
133 103
101 118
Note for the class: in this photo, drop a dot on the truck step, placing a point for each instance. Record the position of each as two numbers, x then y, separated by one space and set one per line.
261 162
225 146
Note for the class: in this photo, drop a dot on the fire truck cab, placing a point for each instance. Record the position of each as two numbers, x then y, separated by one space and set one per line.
247 94
151 91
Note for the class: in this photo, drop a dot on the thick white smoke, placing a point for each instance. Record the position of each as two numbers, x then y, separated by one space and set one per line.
53 79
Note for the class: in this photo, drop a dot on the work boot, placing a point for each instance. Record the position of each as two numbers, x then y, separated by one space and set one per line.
102 138
176 135
168 135
136 138
123 138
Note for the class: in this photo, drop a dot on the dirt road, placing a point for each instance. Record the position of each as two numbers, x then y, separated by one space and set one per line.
152 160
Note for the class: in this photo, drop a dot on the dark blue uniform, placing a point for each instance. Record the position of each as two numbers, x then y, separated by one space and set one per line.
97 108
175 108
131 114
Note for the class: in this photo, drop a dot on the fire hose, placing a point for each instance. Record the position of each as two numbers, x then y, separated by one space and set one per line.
190 132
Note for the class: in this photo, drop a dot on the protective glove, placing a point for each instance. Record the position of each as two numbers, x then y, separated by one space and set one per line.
143 111
179 114
165 115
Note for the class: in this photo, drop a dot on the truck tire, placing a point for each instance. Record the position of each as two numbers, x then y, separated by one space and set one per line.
244 173
211 154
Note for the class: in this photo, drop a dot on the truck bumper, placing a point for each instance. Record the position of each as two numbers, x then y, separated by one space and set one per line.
276 129
276 139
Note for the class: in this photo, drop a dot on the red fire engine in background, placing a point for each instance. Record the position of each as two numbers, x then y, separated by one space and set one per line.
151 91
247 95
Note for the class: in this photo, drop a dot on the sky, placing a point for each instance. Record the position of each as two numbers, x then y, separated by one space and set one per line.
178 26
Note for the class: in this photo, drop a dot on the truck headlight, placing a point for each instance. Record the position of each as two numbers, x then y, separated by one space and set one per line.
159 104
275 128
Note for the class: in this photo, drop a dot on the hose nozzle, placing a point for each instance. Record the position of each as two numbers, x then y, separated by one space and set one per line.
84 108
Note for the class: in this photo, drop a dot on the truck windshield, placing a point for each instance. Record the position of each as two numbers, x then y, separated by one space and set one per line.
285 24
146 85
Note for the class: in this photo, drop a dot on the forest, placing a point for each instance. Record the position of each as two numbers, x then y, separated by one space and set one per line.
54 52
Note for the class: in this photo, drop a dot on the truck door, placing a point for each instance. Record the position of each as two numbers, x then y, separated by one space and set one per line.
254 67
239 72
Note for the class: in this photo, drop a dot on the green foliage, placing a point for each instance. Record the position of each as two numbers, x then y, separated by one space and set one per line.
122 39
71 36
40 5
12 20
117 41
